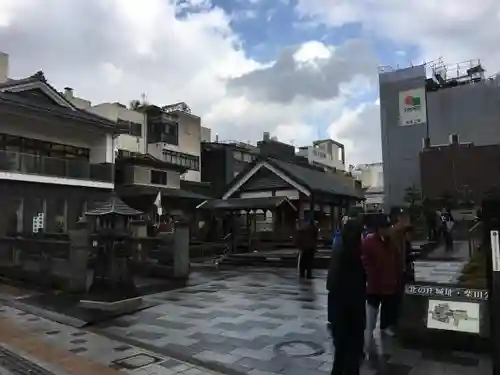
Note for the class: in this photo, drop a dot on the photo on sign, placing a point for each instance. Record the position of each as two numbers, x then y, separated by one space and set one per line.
453 316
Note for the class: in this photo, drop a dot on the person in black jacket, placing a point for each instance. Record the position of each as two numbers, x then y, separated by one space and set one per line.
346 285
307 242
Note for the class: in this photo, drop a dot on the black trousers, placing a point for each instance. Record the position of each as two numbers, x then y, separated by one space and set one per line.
389 308
347 330
306 260
448 240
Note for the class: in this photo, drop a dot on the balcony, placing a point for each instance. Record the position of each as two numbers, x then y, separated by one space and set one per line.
28 164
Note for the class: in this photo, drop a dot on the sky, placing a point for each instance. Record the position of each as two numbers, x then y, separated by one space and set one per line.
299 69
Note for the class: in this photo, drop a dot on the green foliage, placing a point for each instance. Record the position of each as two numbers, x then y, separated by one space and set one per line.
414 201
138 105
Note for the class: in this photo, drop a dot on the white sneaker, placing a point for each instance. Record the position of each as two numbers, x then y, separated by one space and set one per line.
389 332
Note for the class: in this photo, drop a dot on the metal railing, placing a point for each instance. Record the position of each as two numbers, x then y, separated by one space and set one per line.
475 238
11 161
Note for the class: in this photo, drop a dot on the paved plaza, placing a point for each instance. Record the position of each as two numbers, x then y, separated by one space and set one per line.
264 323
33 345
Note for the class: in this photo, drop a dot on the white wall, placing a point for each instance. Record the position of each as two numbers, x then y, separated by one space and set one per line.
59 131
189 143
370 175
206 134
321 156
114 112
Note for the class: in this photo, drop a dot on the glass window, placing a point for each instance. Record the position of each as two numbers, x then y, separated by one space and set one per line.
158 177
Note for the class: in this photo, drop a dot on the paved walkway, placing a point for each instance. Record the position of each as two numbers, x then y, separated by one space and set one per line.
266 323
31 344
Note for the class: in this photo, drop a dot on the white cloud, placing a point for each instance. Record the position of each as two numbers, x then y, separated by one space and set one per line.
114 50
359 130
455 29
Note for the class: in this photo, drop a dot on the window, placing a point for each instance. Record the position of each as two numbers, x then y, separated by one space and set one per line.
158 177
189 161
136 129
247 158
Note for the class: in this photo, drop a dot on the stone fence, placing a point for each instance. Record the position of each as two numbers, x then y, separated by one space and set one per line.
66 261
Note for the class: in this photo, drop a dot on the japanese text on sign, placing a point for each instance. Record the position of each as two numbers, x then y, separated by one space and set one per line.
435 291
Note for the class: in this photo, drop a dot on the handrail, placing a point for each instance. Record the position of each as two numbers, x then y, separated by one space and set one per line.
475 238
13 161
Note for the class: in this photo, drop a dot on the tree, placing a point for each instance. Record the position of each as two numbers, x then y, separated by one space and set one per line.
138 105
413 199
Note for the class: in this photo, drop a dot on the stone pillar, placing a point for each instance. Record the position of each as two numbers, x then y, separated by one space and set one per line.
78 258
181 250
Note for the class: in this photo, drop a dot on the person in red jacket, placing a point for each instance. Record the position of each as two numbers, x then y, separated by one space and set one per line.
382 263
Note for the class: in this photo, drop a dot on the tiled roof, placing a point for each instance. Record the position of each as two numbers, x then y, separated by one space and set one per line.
129 191
244 203
113 206
316 180
14 98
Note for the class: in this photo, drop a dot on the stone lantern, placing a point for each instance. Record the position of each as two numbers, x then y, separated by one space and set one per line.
111 249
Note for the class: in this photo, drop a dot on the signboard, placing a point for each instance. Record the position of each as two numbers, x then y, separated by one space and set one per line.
439 291
453 316
38 222
412 107
495 250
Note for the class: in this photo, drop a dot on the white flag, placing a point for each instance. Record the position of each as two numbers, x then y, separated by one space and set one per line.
159 208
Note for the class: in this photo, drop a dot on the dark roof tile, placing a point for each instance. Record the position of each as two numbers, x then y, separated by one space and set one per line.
244 203
317 180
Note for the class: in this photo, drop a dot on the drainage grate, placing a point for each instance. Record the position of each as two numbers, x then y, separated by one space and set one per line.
136 361
299 349
18 365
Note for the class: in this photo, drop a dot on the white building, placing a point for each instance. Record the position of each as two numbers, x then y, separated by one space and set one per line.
55 159
325 153
372 179
170 133
135 139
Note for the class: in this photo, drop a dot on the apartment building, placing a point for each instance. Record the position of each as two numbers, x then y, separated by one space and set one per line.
56 160
325 153
133 122
175 135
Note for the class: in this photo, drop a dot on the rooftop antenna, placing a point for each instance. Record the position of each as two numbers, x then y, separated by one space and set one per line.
143 98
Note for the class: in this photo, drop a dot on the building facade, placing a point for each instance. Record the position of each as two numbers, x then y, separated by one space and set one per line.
456 171
371 177
454 99
55 159
325 153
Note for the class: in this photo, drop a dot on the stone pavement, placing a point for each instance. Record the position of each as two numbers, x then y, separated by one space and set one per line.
34 345
438 272
265 323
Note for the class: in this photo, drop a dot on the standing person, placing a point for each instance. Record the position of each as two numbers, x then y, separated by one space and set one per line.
382 263
447 224
307 242
346 285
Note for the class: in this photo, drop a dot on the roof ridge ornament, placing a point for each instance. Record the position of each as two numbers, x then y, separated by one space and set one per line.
39 76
